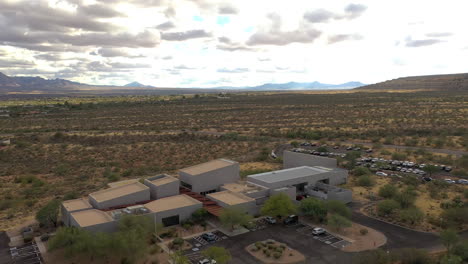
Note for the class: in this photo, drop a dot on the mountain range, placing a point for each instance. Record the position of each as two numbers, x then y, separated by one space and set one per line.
444 82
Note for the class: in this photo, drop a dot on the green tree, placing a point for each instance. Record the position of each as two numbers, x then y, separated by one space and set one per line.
48 215
455 217
451 259
279 205
232 217
413 256
337 222
388 191
338 207
461 249
200 215
449 238
220 254
406 198
314 208
178 258
387 207
431 169
359 171
295 144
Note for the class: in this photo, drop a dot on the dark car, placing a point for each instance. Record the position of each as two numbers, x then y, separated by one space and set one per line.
291 220
210 237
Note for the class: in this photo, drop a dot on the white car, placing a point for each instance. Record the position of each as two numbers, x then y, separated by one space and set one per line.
207 261
318 231
449 181
270 220
379 173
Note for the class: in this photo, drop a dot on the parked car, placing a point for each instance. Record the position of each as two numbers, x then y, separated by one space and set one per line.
380 173
462 181
210 237
449 181
318 231
45 237
448 169
270 220
207 261
428 179
291 220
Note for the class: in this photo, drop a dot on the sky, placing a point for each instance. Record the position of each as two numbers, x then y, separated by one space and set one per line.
206 43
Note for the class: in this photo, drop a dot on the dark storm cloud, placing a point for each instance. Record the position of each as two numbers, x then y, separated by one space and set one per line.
343 37
438 34
275 36
319 16
166 25
227 10
236 70
185 35
354 10
421 42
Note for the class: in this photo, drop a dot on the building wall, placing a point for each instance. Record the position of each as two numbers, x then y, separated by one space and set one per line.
338 177
111 226
161 191
295 159
140 196
183 212
346 196
211 180
66 215
249 207
289 191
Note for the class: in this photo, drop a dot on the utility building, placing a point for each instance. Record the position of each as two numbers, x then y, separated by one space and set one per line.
174 209
228 199
71 206
162 186
208 177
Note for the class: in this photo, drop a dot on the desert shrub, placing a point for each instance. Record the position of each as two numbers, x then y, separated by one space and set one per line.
277 255
365 181
413 256
363 231
406 198
338 207
388 191
411 215
359 171
387 207
455 217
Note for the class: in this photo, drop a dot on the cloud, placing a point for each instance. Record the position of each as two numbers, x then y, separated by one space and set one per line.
15 63
351 11
235 70
421 42
183 67
227 10
439 34
319 16
49 57
275 36
185 35
354 10
166 25
167 58
227 44
115 52
343 37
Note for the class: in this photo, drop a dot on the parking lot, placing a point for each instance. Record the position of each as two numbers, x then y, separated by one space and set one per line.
199 243
326 237
26 254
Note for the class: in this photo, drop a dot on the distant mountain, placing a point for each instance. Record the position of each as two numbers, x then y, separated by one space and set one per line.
29 84
137 84
452 82
297 86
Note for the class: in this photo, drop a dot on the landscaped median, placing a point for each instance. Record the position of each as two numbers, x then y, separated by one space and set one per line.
274 252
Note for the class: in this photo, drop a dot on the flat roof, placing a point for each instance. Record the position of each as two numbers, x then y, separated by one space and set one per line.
91 217
242 187
120 183
76 204
171 202
287 174
230 198
208 166
118 191
165 179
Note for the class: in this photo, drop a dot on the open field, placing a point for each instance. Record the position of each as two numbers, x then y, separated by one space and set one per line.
76 145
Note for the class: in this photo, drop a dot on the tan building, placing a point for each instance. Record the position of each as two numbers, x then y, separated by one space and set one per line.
120 195
173 210
162 186
71 206
228 199
209 176
93 220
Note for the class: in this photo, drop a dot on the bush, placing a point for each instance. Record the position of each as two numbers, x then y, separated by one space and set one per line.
359 171
277 255
387 207
411 215
363 231
388 191
338 207
365 181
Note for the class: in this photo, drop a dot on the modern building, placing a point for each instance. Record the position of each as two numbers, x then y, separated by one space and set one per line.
229 199
297 159
173 210
162 186
120 195
209 176
93 220
71 206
